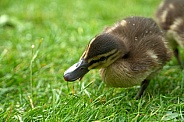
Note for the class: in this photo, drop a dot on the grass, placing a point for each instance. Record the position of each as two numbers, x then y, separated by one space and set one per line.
39 40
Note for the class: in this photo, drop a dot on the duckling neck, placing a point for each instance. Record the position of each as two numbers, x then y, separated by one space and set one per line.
123 48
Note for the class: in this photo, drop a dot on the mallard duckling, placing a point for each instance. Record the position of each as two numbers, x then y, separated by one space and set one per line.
170 16
127 54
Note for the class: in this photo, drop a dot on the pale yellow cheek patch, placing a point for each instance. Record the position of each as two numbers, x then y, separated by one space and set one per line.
112 56
93 66
99 56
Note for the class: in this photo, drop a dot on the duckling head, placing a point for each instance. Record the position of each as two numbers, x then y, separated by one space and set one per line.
102 51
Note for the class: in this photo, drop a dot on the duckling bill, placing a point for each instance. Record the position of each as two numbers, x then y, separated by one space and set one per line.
77 71
128 53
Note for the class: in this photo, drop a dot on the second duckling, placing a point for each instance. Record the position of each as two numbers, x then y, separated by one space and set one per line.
170 16
127 54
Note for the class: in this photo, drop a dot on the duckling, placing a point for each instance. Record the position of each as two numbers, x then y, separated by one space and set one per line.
127 54
170 17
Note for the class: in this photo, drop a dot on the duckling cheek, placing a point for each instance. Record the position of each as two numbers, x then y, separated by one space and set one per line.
98 65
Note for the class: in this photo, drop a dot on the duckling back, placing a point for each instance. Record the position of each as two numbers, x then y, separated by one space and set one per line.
147 52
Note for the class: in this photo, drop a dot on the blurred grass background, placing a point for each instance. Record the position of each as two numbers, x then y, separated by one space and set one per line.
40 39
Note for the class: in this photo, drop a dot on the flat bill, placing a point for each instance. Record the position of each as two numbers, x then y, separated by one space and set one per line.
76 71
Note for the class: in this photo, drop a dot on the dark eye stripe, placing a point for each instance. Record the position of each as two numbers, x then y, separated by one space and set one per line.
93 61
102 58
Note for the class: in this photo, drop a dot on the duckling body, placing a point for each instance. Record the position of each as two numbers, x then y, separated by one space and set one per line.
147 53
127 54
170 17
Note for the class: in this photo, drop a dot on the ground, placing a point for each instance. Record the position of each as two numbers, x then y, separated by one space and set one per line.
40 39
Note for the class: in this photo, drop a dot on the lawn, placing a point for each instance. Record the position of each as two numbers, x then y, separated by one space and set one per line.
40 39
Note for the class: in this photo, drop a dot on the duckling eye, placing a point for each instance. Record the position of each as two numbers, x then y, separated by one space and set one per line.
102 58
82 68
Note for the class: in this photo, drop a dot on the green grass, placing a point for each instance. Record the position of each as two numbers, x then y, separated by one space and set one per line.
31 79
